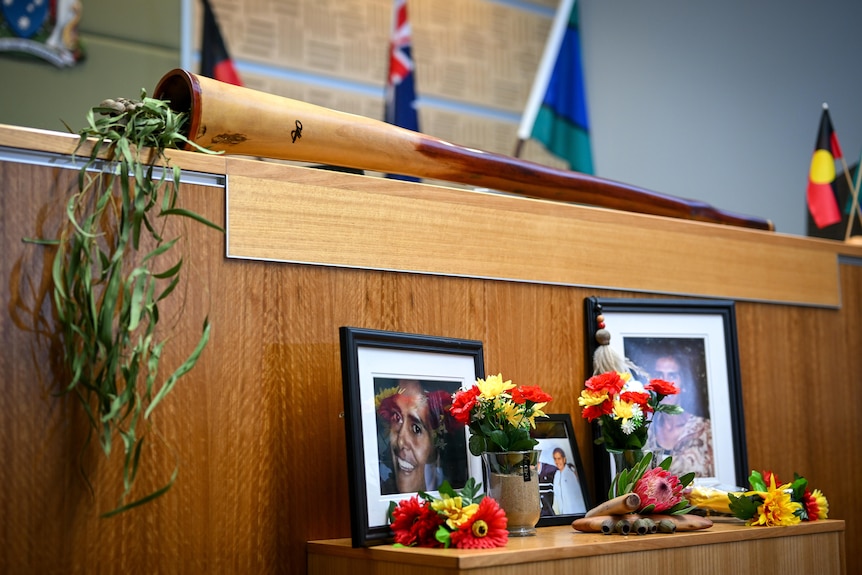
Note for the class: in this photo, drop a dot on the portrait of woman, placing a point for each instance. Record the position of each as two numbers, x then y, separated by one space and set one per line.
419 443
687 436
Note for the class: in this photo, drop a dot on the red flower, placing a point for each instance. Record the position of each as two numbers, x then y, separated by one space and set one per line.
641 399
660 488
527 393
812 508
662 387
463 404
593 412
415 523
609 381
768 475
485 530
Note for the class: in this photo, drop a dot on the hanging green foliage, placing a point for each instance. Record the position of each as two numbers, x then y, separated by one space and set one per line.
110 275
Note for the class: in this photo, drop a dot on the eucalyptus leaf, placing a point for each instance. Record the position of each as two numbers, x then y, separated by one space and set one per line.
106 291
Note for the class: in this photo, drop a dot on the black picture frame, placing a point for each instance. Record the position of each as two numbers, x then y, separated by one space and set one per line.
703 333
555 433
383 373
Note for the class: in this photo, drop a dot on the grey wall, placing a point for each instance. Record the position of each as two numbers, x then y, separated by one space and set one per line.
720 101
129 46
715 101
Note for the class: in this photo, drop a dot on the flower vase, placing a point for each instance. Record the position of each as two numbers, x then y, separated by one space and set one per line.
512 479
627 459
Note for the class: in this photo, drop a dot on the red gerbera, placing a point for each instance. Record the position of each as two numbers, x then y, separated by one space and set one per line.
415 523
609 381
662 387
485 530
525 393
463 404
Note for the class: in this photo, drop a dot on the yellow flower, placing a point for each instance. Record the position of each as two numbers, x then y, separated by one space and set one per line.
513 412
493 386
589 397
625 410
537 412
450 507
778 508
822 504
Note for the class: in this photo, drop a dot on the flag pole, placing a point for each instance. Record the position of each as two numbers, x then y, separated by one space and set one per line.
854 208
543 74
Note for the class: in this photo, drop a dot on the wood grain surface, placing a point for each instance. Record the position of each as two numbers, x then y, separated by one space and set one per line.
256 427
724 548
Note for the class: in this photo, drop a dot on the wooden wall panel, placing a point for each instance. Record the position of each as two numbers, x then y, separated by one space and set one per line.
256 427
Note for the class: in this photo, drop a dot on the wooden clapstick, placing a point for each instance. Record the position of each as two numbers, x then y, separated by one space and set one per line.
619 505
685 522
239 120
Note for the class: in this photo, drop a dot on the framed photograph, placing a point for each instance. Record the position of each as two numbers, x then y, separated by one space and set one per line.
693 344
562 484
401 438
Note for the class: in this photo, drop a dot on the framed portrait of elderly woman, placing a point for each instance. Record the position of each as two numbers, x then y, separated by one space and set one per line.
401 438
562 484
691 343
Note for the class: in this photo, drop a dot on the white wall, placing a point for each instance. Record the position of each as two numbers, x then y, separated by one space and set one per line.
720 101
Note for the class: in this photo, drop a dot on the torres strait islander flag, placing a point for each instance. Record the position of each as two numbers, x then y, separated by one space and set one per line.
822 202
216 63
556 112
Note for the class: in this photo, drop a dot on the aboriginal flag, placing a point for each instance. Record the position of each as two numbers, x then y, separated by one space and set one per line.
215 61
821 198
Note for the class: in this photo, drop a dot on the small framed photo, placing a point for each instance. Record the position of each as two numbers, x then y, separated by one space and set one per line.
562 483
401 438
691 343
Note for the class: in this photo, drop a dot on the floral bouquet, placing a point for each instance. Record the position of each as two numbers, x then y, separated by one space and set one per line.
499 414
660 491
464 519
771 503
623 407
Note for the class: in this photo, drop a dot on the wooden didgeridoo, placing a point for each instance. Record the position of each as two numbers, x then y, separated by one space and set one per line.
238 120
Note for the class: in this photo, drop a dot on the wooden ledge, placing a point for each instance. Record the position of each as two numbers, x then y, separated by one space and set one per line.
561 543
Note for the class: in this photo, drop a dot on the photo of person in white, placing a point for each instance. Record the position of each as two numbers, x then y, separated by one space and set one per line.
568 498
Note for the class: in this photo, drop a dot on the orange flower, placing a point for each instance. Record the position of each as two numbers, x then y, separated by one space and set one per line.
662 387
485 530
610 381
463 404
525 393
414 523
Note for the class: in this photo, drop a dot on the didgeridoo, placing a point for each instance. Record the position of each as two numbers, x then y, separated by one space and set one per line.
238 120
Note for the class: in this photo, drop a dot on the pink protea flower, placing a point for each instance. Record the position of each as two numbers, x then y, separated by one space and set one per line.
660 488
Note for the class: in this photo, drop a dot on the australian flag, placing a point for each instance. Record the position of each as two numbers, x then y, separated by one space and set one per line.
400 84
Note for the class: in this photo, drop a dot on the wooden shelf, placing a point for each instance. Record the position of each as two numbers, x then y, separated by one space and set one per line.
816 547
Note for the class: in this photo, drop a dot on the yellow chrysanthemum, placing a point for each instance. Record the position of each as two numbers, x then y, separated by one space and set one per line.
625 410
513 413
822 504
492 386
778 509
589 397
537 412
450 507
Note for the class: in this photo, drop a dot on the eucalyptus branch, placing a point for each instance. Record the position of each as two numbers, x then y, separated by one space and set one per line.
109 276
